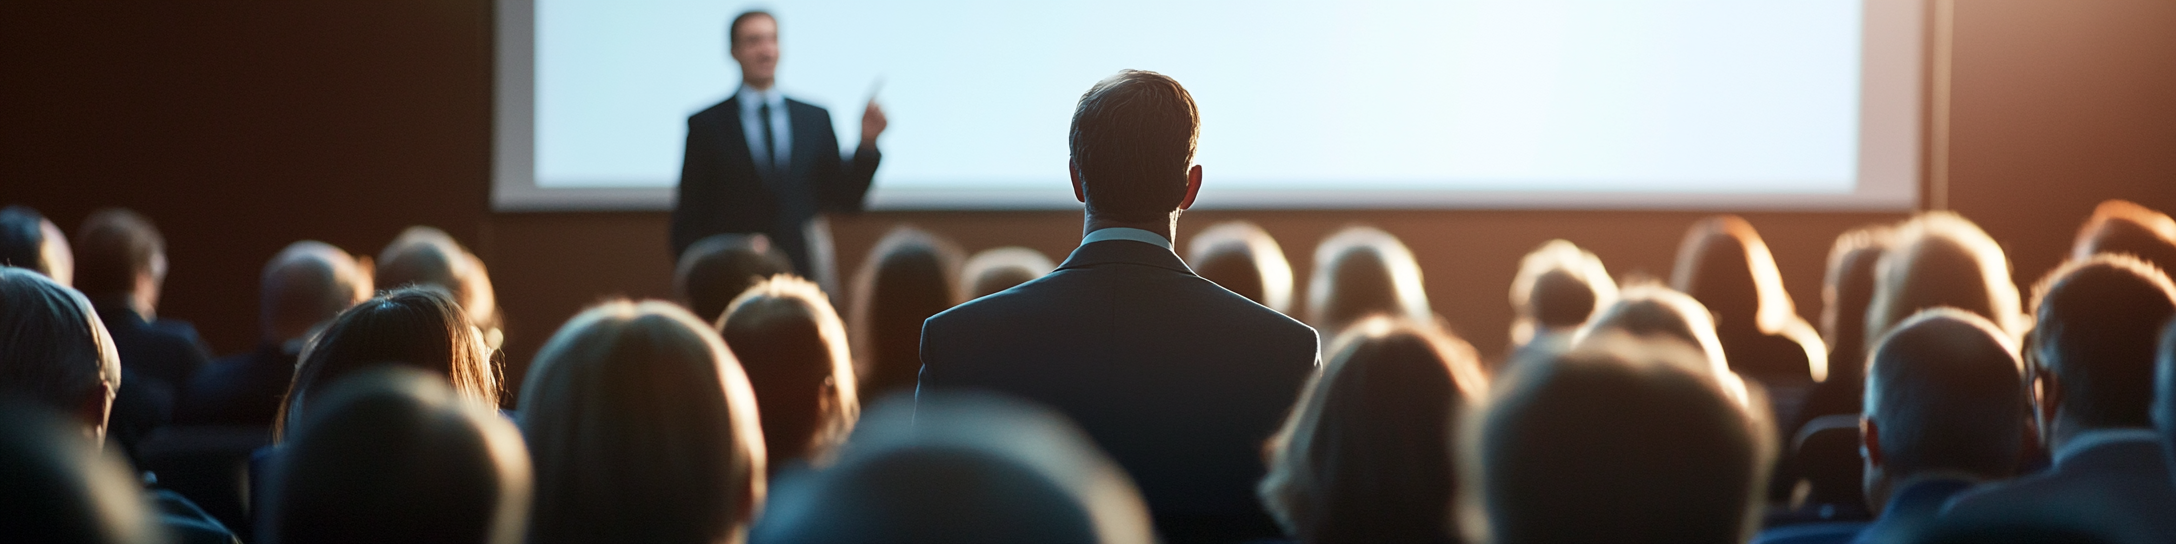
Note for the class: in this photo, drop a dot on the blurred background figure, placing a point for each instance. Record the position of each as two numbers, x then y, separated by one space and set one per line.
1359 272
1366 455
1559 286
1847 290
2124 227
29 241
1619 440
2164 389
1650 310
999 268
392 454
909 276
1724 264
419 327
1942 259
793 347
642 428
717 268
58 487
963 467
427 256
1242 257
304 287
121 266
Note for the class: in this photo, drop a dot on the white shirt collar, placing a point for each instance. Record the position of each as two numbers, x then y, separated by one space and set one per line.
1125 233
2086 440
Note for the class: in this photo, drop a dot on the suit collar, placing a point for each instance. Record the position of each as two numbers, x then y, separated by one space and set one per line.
1097 253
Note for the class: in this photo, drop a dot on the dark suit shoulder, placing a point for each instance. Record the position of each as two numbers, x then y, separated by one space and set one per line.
717 112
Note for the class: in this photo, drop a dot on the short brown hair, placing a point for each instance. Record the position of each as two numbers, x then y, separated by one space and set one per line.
1132 141
793 348
732 29
114 245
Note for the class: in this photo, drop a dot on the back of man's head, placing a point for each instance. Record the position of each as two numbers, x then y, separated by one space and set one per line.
1941 259
793 347
114 248
307 284
28 240
1944 392
716 269
53 349
427 256
1623 441
2096 324
1243 258
1558 287
1132 143
2124 227
58 487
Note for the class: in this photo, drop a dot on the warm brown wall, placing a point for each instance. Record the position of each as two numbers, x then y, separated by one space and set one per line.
241 128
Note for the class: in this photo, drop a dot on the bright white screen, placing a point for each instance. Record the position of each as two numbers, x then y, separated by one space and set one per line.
1578 103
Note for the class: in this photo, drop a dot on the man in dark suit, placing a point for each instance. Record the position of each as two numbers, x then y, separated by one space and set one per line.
1179 379
763 163
2096 325
121 266
307 284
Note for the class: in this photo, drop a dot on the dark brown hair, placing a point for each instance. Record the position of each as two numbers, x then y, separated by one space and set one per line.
419 327
793 347
732 29
1132 141
113 246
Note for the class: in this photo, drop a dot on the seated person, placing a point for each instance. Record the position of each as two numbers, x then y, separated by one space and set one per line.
121 267
793 348
1363 271
2097 322
1558 287
1242 257
418 327
302 288
642 428
909 276
722 266
1622 439
999 268
1940 259
61 488
1366 455
430 257
1847 289
29 241
970 468
392 454
1724 264
2124 227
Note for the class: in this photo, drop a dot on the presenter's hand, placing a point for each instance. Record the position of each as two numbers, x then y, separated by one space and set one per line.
872 123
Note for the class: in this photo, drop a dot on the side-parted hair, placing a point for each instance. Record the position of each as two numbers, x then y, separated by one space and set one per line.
2096 324
642 428
1366 455
1363 271
2124 227
909 276
793 347
1942 259
28 240
1559 286
1847 290
1245 259
54 351
1724 264
1132 142
1000 268
418 327
392 454
112 247
1618 440
1948 391
722 266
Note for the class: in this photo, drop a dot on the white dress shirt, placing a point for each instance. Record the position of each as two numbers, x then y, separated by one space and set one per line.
751 102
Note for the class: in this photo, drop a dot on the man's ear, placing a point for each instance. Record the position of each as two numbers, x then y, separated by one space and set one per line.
1193 186
2047 399
1870 441
1072 169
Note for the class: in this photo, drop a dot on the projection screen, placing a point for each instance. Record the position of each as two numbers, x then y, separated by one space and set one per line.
1550 104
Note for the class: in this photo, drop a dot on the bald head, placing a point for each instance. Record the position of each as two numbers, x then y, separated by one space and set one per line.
29 241
1944 391
307 284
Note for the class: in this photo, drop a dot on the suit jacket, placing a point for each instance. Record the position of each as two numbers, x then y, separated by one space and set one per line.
157 357
1178 379
722 190
242 389
2119 484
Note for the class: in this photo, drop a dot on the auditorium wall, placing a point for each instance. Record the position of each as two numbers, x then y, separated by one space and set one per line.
241 127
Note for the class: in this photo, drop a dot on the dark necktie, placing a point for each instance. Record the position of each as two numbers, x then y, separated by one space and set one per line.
770 142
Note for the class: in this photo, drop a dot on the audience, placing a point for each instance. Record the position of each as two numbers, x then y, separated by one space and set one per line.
1363 271
642 428
1941 259
1646 309
428 256
909 276
419 327
28 240
304 287
722 266
1847 289
2097 322
1558 287
1179 379
392 454
997 269
121 266
58 487
2124 227
793 347
970 468
1724 264
1243 258
1365 456
1619 440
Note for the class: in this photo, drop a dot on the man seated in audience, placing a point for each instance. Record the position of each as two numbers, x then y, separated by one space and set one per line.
121 266
2124 227
1623 439
970 468
55 354
392 454
1941 259
793 347
1000 268
1179 379
716 269
302 288
428 256
1558 287
29 241
909 276
1242 257
1360 272
2096 325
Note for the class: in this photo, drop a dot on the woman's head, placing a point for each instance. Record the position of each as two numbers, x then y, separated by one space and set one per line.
793 347
420 327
